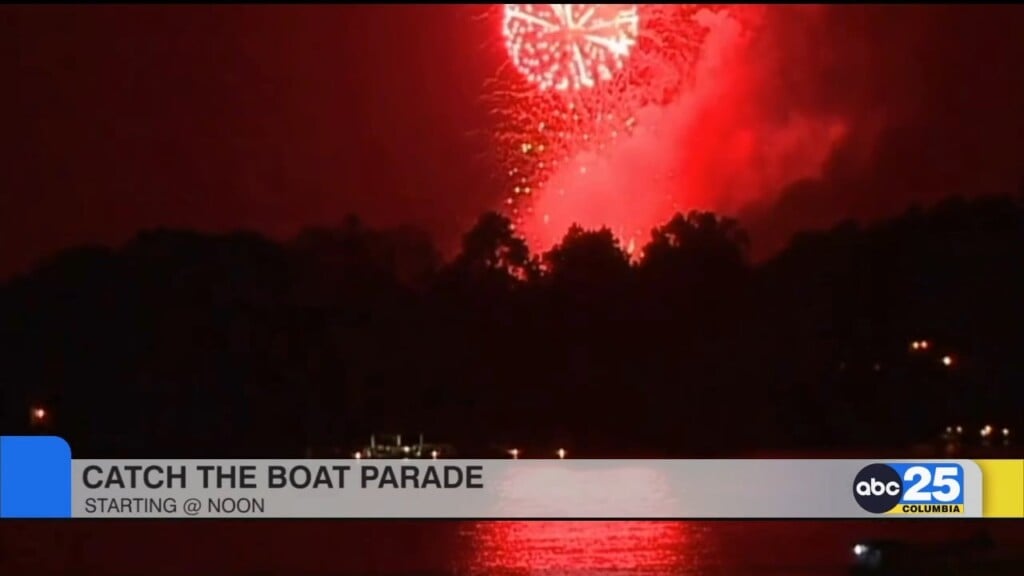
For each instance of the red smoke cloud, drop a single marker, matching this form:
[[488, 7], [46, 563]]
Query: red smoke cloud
[[731, 142]]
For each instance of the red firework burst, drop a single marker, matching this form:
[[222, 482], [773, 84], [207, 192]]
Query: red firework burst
[[582, 72], [570, 46]]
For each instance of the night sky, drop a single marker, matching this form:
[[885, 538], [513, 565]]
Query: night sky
[[118, 118]]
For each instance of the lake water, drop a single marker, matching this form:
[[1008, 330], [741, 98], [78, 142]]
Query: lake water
[[297, 548]]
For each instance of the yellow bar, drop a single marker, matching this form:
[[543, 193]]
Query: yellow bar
[[1002, 488]]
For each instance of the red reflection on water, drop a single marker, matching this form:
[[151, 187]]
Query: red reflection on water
[[588, 547]]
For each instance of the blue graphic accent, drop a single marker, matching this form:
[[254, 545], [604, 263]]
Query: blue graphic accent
[[35, 477], [931, 483]]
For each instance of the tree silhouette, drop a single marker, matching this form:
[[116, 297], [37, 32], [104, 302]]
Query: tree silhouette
[[188, 344], [698, 240], [491, 249], [587, 258]]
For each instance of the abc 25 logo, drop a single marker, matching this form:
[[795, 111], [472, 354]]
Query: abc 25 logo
[[920, 488]]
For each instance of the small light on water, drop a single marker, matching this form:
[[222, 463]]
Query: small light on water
[[433, 454], [358, 455], [561, 453], [515, 453], [860, 549]]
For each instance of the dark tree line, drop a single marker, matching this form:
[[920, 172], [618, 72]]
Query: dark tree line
[[184, 344]]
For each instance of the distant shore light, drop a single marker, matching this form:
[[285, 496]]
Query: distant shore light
[[39, 415], [919, 345], [561, 453]]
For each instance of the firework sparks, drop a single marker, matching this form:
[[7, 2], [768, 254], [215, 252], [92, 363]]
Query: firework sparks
[[581, 74], [570, 46]]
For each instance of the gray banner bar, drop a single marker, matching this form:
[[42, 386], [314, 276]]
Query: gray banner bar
[[491, 489]]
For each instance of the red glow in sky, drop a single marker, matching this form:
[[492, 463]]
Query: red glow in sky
[[279, 118], [680, 127]]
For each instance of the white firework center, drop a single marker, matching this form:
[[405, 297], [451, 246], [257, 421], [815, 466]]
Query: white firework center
[[570, 46]]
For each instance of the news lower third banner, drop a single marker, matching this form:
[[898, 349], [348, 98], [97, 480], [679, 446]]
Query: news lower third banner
[[39, 479]]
